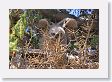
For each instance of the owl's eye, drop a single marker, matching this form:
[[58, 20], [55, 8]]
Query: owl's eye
[[57, 36], [53, 34]]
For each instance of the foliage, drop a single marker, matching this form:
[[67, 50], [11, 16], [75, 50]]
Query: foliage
[[94, 41], [17, 32]]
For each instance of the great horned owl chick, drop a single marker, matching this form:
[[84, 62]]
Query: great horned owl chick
[[70, 23], [70, 27], [55, 31], [43, 24], [60, 29]]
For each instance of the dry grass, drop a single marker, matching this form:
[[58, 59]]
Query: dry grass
[[53, 54]]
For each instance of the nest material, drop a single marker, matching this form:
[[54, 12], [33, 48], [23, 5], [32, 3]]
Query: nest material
[[54, 55]]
